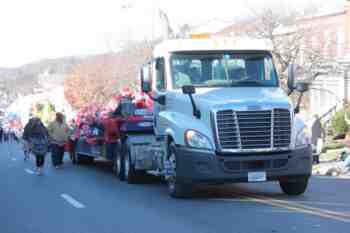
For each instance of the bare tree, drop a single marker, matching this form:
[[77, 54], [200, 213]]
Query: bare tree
[[290, 35], [98, 79]]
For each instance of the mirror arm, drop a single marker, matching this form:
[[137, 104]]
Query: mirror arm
[[196, 111], [297, 108]]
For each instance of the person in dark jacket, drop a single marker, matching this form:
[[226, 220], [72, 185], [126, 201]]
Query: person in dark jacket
[[6, 135], [317, 137], [1, 134], [36, 135]]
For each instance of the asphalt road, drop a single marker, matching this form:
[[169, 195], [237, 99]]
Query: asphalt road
[[89, 199]]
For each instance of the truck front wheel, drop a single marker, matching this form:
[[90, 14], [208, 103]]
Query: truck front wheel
[[176, 188], [294, 188]]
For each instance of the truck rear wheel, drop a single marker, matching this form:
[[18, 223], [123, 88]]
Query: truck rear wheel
[[294, 188], [118, 167], [132, 176], [176, 188]]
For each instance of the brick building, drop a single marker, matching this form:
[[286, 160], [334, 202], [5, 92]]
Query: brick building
[[329, 35]]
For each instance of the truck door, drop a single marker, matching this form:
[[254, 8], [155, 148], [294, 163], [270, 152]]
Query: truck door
[[160, 87]]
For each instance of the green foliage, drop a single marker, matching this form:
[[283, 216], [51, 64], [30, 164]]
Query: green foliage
[[339, 124], [333, 146]]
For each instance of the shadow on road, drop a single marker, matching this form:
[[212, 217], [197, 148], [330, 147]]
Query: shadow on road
[[318, 190]]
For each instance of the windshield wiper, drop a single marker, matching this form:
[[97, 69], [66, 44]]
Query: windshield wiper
[[248, 82], [213, 85]]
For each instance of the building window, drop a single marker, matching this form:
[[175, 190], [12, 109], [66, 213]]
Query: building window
[[302, 51], [340, 42], [327, 43], [314, 44]]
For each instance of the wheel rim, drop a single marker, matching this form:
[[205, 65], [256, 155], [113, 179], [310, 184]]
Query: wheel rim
[[126, 167], [172, 178]]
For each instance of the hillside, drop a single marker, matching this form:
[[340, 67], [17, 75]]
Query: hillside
[[23, 80]]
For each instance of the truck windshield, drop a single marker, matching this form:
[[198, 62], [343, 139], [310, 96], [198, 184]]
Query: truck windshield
[[223, 70]]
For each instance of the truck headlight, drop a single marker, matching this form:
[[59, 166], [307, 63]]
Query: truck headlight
[[197, 140], [302, 138]]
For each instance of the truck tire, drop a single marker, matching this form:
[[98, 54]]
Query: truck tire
[[176, 188], [132, 176], [118, 167], [294, 188]]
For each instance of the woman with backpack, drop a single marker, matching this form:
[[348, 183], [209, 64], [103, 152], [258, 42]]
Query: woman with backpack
[[36, 135]]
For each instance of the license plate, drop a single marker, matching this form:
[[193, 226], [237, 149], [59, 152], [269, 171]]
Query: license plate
[[256, 176]]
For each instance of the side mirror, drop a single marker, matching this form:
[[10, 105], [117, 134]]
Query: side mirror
[[302, 87], [291, 78], [188, 90], [145, 82]]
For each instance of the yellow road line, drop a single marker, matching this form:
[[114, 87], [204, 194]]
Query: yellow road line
[[301, 210], [310, 208], [297, 207]]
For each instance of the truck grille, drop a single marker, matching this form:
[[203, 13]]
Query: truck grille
[[281, 128], [250, 130]]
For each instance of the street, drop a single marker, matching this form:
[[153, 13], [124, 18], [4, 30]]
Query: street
[[90, 199]]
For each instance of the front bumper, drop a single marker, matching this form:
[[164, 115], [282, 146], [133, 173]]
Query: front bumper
[[200, 166]]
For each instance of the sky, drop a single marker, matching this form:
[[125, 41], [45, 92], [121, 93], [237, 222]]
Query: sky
[[39, 29]]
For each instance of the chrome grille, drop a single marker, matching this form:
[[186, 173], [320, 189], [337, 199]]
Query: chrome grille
[[282, 128], [227, 129], [255, 129], [251, 130]]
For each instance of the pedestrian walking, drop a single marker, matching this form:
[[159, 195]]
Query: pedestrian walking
[[317, 136], [13, 136], [26, 150], [1, 134], [6, 136], [36, 135], [59, 133]]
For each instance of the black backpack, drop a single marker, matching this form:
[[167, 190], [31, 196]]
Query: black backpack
[[40, 145]]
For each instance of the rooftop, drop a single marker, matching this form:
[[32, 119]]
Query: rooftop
[[212, 44]]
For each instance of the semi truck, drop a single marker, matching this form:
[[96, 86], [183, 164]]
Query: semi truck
[[220, 115]]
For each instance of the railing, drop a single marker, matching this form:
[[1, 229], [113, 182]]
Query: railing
[[327, 116]]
